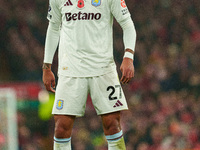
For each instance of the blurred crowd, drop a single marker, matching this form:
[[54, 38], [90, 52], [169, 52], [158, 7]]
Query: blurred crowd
[[163, 98], [23, 29]]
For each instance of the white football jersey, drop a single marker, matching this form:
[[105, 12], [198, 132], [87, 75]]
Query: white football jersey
[[86, 38]]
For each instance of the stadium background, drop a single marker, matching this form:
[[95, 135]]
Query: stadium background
[[164, 97]]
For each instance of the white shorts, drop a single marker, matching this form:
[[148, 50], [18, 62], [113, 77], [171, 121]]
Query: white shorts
[[105, 91]]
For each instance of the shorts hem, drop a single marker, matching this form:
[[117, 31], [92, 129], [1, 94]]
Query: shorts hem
[[69, 114], [103, 113]]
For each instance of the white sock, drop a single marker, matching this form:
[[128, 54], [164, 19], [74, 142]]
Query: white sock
[[116, 141], [62, 144]]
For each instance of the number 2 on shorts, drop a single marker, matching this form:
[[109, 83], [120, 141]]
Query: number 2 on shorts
[[112, 89]]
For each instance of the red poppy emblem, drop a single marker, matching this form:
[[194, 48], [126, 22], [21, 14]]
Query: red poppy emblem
[[80, 4]]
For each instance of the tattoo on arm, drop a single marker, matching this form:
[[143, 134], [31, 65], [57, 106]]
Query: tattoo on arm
[[46, 66]]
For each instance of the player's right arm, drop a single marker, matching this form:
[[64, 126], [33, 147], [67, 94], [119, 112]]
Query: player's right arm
[[51, 43]]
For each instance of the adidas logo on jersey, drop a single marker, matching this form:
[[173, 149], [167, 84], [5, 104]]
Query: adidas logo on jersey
[[68, 3], [117, 104]]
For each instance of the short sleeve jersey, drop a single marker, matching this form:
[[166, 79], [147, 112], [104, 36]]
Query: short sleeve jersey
[[86, 38]]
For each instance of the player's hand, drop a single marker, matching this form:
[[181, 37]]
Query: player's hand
[[127, 70], [49, 80]]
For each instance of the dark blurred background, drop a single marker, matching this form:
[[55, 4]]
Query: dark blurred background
[[163, 97]]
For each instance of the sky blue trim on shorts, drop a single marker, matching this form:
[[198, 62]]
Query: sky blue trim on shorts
[[114, 137], [57, 140]]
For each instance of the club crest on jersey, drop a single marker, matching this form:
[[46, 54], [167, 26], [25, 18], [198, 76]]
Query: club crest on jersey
[[96, 2], [59, 105], [81, 4]]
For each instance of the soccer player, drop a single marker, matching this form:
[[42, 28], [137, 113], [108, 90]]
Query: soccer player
[[83, 29]]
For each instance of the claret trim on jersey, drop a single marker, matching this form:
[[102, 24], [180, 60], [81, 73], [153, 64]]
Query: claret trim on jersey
[[82, 16]]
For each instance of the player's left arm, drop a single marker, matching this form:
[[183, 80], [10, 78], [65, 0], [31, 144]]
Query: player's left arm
[[127, 67], [123, 17], [129, 39]]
